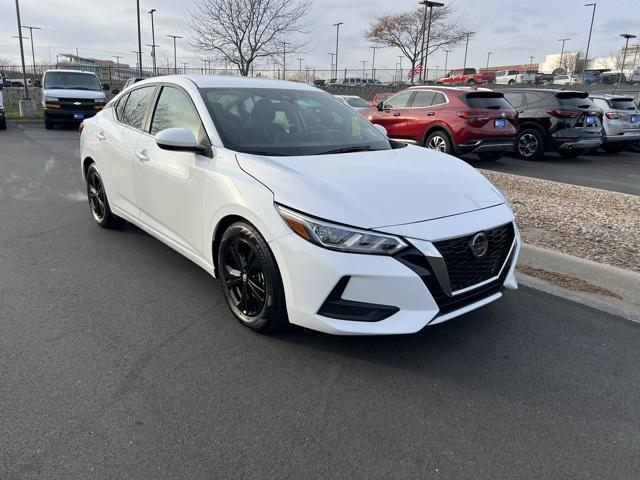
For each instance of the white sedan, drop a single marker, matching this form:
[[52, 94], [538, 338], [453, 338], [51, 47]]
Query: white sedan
[[306, 212]]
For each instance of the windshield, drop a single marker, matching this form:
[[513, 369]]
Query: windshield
[[356, 102], [267, 121], [580, 100], [71, 81]]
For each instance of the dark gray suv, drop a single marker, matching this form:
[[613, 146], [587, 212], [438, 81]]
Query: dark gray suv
[[555, 120]]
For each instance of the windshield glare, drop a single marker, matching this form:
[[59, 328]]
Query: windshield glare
[[288, 122], [71, 81]]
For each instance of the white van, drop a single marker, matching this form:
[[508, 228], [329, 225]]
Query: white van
[[70, 96]]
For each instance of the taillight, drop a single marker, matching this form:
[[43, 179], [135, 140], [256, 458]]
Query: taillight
[[562, 113], [474, 118], [617, 116]]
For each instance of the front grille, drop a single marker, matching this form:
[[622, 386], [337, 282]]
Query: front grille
[[85, 103], [465, 270]]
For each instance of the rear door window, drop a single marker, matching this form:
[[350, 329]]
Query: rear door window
[[136, 107], [423, 99], [439, 99], [492, 100], [120, 106]]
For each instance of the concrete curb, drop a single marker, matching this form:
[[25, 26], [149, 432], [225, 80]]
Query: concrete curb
[[25, 121], [624, 283]]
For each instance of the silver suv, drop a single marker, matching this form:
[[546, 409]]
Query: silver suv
[[621, 122]]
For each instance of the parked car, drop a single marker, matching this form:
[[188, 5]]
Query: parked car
[[131, 81], [275, 188], [564, 121], [70, 96], [358, 81], [511, 77], [566, 80], [467, 76], [621, 120], [544, 78], [3, 118], [592, 77], [359, 104], [451, 120], [380, 97]]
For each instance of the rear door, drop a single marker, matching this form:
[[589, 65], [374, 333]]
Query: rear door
[[169, 183], [395, 114], [420, 115]]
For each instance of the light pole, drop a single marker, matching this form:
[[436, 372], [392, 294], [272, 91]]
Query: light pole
[[400, 77], [184, 67], [138, 56], [446, 60], [337, 25], [139, 51], [531, 63], [24, 68], [153, 41], [563, 40], [586, 56], [373, 62], [284, 60], [364, 65], [628, 36], [332, 55], [300, 65], [33, 54], [466, 49], [175, 58], [424, 59], [488, 57]]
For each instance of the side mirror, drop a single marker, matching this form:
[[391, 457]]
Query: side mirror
[[38, 83], [380, 106], [381, 129], [106, 86], [115, 91], [180, 140]]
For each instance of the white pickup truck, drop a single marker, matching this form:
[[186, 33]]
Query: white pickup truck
[[510, 77]]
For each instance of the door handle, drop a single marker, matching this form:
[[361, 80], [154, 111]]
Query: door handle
[[431, 114], [142, 156], [101, 136], [396, 114]]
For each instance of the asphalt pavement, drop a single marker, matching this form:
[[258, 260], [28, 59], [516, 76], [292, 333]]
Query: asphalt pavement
[[120, 359], [618, 172]]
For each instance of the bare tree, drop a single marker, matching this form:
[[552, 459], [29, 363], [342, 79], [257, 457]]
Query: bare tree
[[405, 31], [5, 62], [241, 31]]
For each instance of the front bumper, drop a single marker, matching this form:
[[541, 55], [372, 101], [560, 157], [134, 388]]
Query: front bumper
[[487, 145], [320, 284], [67, 116]]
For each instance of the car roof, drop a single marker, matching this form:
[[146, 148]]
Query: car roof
[[348, 96], [610, 96], [68, 70], [213, 81]]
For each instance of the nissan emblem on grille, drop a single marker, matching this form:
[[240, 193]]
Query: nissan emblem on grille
[[479, 245]]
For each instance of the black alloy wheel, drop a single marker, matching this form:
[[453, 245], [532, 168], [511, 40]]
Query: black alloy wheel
[[98, 202]]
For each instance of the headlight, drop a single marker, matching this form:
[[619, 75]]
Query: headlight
[[339, 237], [100, 100], [51, 99]]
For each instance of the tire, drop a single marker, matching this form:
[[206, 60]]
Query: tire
[[471, 81], [511, 82], [98, 201], [439, 140], [48, 124], [490, 156], [3, 124], [609, 148], [250, 279], [530, 144], [572, 153]]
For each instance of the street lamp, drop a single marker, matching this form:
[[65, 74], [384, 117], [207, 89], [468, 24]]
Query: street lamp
[[466, 49], [628, 36], [332, 55], [284, 60], [401, 79], [337, 25], [138, 57], [364, 65], [488, 57], [153, 41], [586, 56], [531, 62], [446, 60], [33, 54], [175, 58], [24, 68], [300, 64], [139, 51], [563, 40], [427, 4], [373, 62]]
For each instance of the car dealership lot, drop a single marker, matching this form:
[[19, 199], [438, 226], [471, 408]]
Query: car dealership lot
[[120, 359]]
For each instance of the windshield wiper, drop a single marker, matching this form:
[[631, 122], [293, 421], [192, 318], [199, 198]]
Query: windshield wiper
[[362, 148], [264, 153]]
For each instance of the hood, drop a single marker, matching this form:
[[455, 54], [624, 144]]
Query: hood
[[374, 189], [64, 93]]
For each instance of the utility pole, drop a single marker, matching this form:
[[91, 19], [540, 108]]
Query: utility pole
[[531, 62], [117, 57], [139, 51], [33, 54], [337, 25], [175, 58], [373, 63], [628, 36], [425, 58], [364, 65], [466, 49], [563, 40], [300, 64], [446, 60], [24, 69], [331, 74], [488, 57], [137, 60], [153, 41], [586, 57], [284, 60], [401, 78]]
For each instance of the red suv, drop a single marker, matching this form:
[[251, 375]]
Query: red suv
[[451, 120]]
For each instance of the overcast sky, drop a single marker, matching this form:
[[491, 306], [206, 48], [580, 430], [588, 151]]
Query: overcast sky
[[510, 29]]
